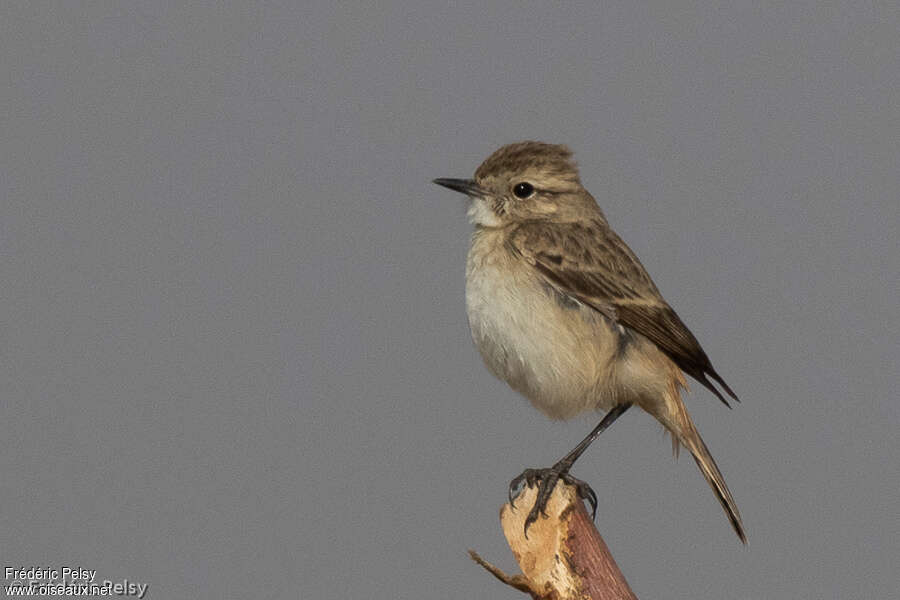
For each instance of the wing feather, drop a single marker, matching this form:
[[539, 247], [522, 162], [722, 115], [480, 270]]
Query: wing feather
[[590, 263]]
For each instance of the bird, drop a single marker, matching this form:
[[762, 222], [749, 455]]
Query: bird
[[561, 309]]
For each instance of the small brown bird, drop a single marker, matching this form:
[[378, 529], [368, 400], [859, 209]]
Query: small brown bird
[[562, 310]]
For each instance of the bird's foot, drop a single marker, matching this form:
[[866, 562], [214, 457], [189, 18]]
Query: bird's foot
[[546, 480]]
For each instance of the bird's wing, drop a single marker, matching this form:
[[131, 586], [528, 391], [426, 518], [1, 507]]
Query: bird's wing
[[590, 263]]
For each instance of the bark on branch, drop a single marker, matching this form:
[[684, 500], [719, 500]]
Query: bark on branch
[[563, 557]]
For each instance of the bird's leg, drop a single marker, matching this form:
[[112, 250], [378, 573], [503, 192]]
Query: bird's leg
[[546, 478]]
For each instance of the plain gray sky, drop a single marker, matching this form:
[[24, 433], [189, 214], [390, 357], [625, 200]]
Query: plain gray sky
[[234, 358]]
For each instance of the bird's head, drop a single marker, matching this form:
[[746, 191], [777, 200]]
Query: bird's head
[[525, 181]]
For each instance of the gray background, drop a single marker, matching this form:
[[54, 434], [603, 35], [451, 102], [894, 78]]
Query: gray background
[[234, 359]]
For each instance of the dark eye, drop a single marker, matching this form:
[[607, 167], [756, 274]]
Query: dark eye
[[523, 190]]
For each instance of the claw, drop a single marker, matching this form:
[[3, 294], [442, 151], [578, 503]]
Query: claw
[[589, 495], [514, 485], [584, 491], [545, 480], [528, 521]]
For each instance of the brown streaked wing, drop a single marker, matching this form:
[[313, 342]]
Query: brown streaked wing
[[592, 264]]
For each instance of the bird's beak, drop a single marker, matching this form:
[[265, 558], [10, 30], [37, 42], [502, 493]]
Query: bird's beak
[[463, 186]]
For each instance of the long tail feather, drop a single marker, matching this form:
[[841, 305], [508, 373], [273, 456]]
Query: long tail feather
[[690, 438]]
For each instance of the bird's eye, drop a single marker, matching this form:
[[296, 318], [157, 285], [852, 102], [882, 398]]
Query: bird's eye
[[523, 190]]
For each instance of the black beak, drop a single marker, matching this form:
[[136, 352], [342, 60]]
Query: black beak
[[463, 186]]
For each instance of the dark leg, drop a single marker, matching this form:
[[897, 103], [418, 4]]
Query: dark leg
[[546, 478]]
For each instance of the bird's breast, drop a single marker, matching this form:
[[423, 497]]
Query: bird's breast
[[557, 352]]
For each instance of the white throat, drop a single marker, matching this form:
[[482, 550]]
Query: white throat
[[480, 213]]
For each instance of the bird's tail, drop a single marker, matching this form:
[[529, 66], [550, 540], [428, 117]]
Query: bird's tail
[[689, 437]]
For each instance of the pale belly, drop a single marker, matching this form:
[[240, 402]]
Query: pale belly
[[564, 357]]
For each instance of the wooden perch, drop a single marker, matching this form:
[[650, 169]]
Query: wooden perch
[[563, 557]]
